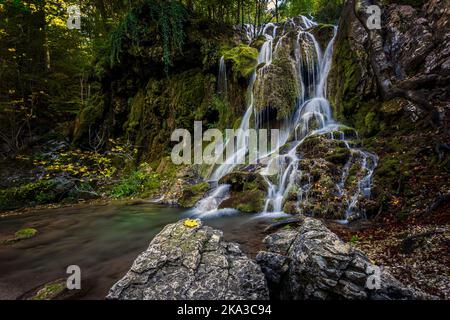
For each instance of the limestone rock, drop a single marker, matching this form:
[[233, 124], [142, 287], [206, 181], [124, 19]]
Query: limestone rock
[[190, 261], [406, 59], [313, 263]]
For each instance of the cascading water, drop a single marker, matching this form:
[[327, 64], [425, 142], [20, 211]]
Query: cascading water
[[222, 83], [312, 117]]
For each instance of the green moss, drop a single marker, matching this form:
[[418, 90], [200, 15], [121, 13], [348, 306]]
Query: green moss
[[88, 117], [50, 291], [25, 233], [338, 156], [40, 192], [243, 58], [180, 100], [246, 202], [244, 181], [258, 42], [283, 96], [191, 195], [370, 122], [136, 112]]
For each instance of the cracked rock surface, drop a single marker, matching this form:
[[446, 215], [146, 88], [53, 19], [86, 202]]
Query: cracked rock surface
[[313, 263], [184, 263]]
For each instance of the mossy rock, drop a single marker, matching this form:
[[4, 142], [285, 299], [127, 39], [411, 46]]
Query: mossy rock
[[22, 234], [291, 207], [245, 181], [88, 117], [192, 194], [244, 59], [338, 156], [250, 201], [319, 146], [25, 233], [247, 192], [282, 97], [258, 42], [323, 33], [40, 192], [50, 291]]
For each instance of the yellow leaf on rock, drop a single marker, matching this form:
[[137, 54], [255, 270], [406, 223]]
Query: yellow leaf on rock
[[191, 223]]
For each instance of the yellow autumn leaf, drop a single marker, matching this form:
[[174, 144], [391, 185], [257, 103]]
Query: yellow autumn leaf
[[191, 223]]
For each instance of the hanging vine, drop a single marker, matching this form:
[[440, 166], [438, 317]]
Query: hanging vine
[[169, 18]]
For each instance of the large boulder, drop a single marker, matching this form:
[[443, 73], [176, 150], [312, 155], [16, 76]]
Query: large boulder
[[188, 260], [313, 263]]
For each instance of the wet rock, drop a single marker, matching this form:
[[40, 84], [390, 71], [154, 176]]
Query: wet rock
[[192, 194], [247, 193], [188, 260], [327, 183], [279, 100], [313, 263]]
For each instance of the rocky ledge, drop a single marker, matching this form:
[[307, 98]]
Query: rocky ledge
[[313, 263], [188, 260]]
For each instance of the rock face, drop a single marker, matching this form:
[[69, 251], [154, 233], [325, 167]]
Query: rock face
[[190, 261], [392, 85], [313, 263], [406, 64]]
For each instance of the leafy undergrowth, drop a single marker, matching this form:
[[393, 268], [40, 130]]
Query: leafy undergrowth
[[58, 173], [412, 174], [414, 251], [145, 181]]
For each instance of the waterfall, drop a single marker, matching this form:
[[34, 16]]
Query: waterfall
[[312, 117], [222, 86]]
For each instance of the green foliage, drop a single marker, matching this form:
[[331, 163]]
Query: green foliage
[[355, 239], [40, 192], [130, 186], [323, 10]]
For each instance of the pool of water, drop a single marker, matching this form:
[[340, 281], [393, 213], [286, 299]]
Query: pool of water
[[102, 240]]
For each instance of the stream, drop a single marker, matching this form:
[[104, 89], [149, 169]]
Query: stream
[[103, 240]]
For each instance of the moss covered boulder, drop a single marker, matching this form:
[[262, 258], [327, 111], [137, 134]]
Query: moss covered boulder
[[50, 291], [35, 193], [243, 59], [247, 192], [192, 194], [22, 234], [278, 100]]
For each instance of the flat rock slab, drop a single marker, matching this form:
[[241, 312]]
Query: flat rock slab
[[190, 261]]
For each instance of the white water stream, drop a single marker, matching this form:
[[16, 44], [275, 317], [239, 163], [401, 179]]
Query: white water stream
[[312, 116]]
